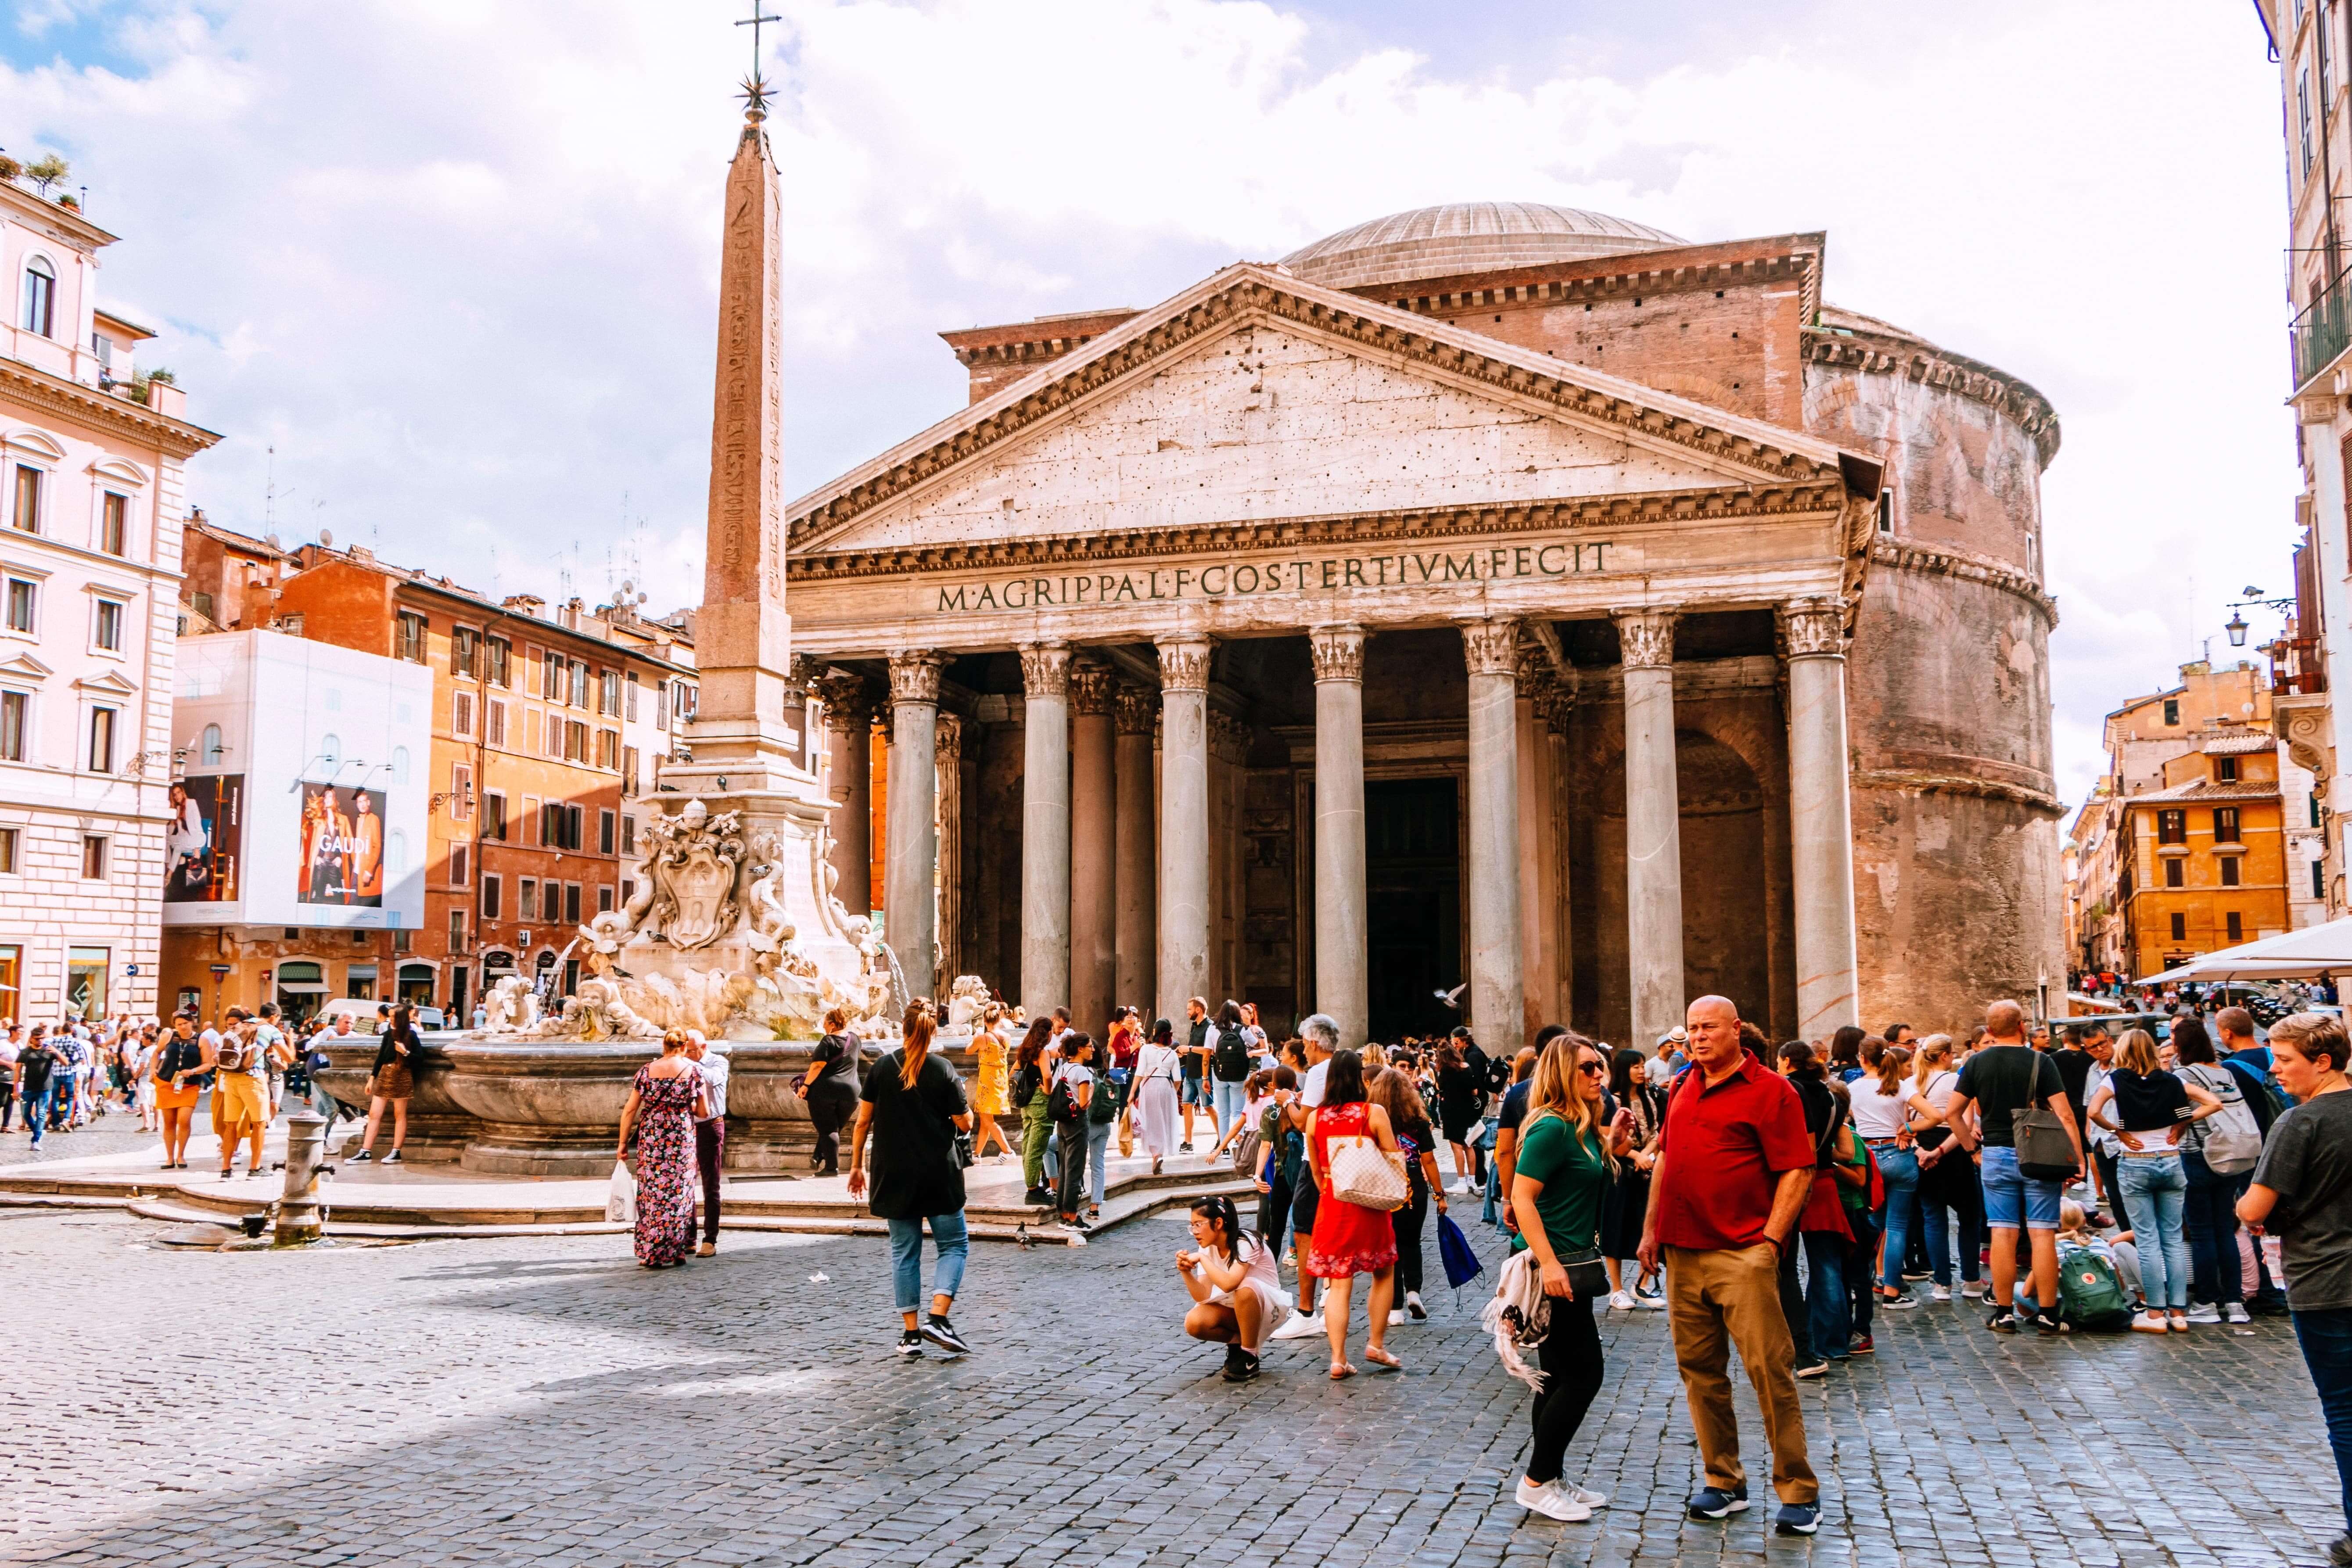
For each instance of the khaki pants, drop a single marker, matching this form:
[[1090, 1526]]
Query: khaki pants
[[1715, 1301]]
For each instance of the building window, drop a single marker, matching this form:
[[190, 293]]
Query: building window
[[461, 792], [27, 517], [608, 749], [551, 901], [552, 742], [110, 625], [527, 898], [2312, 802], [412, 638], [551, 678], [2172, 710], [578, 697], [8, 852], [2234, 925], [629, 770], [604, 899], [630, 712], [560, 826], [85, 970], [461, 713], [102, 740], [209, 750], [93, 857], [502, 662], [2225, 824], [628, 835], [604, 829], [686, 701], [2172, 873], [495, 731], [458, 865], [15, 708], [2318, 874], [1887, 512], [40, 313], [2303, 116], [2180, 928], [2225, 770], [2172, 827], [462, 643], [661, 704], [330, 751], [575, 742], [572, 903], [23, 597], [457, 931], [494, 815], [113, 522], [490, 895], [608, 693], [2229, 870]]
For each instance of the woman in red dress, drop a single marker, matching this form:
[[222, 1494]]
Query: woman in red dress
[[1350, 1240]]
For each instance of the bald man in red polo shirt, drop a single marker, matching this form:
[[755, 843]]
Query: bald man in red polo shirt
[[1735, 1167]]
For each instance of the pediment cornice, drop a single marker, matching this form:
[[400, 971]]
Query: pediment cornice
[[1744, 450], [1419, 526]]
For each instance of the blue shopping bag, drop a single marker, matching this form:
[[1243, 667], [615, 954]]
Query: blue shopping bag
[[1462, 1265]]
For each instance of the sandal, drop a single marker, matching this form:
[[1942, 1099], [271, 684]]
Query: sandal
[[1341, 1371], [1374, 1354]]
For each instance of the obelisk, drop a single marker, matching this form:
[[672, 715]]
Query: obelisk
[[742, 733]]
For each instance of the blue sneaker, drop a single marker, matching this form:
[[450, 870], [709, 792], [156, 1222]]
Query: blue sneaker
[[1713, 1502], [1797, 1519]]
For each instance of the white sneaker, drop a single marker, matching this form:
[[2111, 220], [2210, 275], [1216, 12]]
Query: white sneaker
[[1298, 1326], [1583, 1497], [2204, 1312], [2234, 1312], [1649, 1304], [2151, 1324], [1553, 1502], [1620, 1302], [1396, 1317], [1972, 1289], [1940, 1293]]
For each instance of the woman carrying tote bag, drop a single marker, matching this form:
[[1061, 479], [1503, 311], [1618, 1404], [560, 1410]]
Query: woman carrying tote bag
[[1350, 1238]]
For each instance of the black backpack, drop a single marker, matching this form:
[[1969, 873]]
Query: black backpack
[[1061, 1106], [1026, 1085], [1232, 1059]]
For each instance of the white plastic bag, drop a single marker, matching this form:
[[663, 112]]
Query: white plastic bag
[[621, 1199]]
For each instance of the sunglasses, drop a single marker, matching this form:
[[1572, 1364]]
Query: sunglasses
[[1600, 1067]]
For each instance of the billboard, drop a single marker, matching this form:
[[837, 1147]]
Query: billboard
[[342, 860], [204, 846]]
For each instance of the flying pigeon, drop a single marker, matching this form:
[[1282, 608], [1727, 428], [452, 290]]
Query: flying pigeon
[[1453, 998]]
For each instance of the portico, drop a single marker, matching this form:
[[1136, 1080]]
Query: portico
[[1463, 662]]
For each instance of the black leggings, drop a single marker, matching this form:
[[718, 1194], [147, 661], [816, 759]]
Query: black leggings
[[831, 1108], [1570, 1357], [1408, 1222]]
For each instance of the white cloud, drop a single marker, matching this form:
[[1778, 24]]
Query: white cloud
[[457, 261]]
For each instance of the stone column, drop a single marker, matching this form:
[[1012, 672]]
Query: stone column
[[1045, 827], [947, 762], [850, 734], [1134, 962], [1821, 818], [1497, 1004], [1093, 849], [909, 918], [1229, 740], [1535, 947], [1653, 854], [1558, 712], [1183, 968], [1343, 985]]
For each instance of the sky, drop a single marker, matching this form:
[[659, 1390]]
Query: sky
[[442, 272]]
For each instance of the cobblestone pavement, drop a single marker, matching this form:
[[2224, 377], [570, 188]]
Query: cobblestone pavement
[[544, 1400]]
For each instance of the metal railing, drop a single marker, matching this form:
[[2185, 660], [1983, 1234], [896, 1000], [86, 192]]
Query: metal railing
[[2323, 331], [2297, 668]]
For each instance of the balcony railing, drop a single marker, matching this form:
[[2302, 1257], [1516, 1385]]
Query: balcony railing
[[2323, 331], [2297, 668]]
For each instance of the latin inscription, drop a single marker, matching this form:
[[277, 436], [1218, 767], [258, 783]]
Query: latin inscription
[[1328, 574]]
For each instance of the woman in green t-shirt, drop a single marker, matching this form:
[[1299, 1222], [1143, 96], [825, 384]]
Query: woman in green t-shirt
[[1562, 1170]]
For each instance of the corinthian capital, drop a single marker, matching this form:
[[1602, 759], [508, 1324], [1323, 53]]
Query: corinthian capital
[[1184, 664], [1647, 637], [1089, 687], [947, 737], [1813, 627], [847, 704], [1045, 669], [1337, 651], [915, 675], [1491, 648], [1138, 709]]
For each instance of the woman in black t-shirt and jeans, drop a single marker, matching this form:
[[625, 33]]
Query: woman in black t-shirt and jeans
[[912, 1107]]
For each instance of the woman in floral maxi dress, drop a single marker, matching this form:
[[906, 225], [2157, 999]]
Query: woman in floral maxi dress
[[664, 1100]]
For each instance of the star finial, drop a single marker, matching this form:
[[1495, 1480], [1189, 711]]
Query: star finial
[[755, 86]]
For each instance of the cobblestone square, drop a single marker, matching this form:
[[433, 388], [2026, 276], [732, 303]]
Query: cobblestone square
[[544, 1400]]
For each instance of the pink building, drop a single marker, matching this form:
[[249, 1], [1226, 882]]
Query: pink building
[[91, 504]]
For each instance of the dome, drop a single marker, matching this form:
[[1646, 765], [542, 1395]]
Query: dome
[[1467, 237]]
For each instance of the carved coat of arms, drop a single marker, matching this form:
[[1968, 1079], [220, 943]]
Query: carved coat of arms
[[695, 867]]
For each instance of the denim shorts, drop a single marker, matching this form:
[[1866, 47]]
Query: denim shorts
[[2013, 1202], [1194, 1092]]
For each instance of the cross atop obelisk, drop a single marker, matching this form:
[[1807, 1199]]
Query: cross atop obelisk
[[743, 730]]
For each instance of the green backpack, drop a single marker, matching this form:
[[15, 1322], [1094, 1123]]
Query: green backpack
[[2090, 1296]]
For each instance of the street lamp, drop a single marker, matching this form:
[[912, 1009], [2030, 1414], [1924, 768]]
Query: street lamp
[[2236, 625], [2237, 630]]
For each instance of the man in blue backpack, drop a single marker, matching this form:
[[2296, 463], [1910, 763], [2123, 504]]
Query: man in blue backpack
[[2249, 1060]]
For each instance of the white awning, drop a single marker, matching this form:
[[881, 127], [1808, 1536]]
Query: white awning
[[2290, 956]]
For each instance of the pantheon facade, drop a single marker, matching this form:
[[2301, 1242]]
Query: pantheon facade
[[1492, 609]]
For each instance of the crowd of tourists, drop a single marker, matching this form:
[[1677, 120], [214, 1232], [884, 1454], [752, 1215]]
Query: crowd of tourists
[[247, 1068]]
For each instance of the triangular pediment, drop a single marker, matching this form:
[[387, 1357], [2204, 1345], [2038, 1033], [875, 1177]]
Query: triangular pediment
[[25, 666], [108, 684], [1254, 398]]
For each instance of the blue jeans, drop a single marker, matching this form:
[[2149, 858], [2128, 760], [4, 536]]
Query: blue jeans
[[1098, 1151], [1492, 1214], [1827, 1311], [2155, 1191], [1900, 1167], [2013, 1200], [37, 1111], [2215, 1274], [954, 1243], [2326, 1337], [1231, 1099]]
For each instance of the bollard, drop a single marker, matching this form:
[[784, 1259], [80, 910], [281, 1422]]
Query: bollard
[[298, 1211]]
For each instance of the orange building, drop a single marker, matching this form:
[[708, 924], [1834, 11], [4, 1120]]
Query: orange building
[[548, 729], [2205, 864]]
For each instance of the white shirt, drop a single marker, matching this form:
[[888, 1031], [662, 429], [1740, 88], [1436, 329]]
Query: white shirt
[[1310, 1092], [1876, 1116], [1156, 1063], [713, 1068]]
